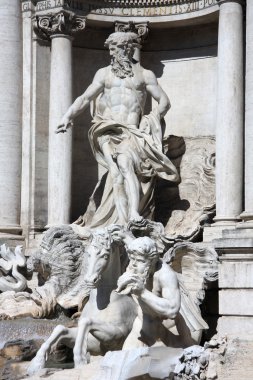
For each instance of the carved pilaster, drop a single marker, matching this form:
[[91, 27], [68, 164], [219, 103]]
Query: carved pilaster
[[63, 23], [141, 29]]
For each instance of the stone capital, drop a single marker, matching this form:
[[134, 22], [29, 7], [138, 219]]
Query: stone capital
[[141, 29], [220, 2], [63, 23]]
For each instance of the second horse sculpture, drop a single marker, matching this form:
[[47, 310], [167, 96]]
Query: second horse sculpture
[[139, 307], [107, 317]]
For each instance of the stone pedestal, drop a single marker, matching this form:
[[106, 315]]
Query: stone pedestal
[[10, 116], [229, 135], [236, 283]]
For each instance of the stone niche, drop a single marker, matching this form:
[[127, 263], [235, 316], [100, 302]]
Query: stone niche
[[184, 60]]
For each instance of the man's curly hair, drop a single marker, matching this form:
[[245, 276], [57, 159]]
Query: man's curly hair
[[143, 246], [123, 38]]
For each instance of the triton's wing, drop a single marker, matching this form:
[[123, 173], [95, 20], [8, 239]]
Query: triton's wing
[[197, 266]]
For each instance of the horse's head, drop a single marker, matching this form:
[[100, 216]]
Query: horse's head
[[98, 256]]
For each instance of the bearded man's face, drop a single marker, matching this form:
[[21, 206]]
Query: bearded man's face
[[120, 61], [116, 51], [139, 264]]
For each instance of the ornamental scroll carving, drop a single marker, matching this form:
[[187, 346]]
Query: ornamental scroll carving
[[63, 22], [141, 29]]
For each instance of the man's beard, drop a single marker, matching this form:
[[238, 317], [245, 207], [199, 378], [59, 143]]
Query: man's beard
[[121, 66]]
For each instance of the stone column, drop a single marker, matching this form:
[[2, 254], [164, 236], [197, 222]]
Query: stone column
[[59, 27], [229, 134], [10, 115], [247, 215]]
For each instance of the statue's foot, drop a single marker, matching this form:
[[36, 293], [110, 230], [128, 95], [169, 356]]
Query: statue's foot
[[36, 365]]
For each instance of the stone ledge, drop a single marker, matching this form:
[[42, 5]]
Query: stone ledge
[[236, 302], [236, 327], [236, 274]]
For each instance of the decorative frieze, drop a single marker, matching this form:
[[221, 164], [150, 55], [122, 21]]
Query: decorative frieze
[[120, 8], [63, 23]]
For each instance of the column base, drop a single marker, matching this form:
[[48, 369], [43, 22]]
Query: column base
[[12, 229], [247, 216], [226, 220], [216, 230]]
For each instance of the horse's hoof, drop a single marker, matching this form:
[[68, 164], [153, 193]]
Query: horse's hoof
[[81, 361], [36, 365]]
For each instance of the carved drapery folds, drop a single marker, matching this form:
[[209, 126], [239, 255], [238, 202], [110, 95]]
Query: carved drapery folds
[[63, 23]]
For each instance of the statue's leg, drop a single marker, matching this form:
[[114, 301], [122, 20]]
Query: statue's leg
[[58, 334], [104, 333], [133, 339], [80, 348], [118, 183], [126, 167]]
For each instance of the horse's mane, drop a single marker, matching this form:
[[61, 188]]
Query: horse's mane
[[60, 254]]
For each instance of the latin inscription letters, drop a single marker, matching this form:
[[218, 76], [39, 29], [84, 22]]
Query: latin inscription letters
[[169, 10]]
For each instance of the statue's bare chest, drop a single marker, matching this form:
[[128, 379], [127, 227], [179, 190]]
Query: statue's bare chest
[[124, 85]]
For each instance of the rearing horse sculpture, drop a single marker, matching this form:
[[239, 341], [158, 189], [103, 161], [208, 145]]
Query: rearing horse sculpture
[[107, 317]]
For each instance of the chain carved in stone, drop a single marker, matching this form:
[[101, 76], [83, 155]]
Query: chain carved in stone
[[63, 22]]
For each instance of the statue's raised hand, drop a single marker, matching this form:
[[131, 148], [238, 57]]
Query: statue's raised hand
[[64, 125], [129, 283]]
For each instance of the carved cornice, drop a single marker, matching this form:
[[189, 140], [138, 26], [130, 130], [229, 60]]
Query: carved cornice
[[63, 23], [141, 29]]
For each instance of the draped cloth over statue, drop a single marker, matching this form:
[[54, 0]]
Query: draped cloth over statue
[[144, 149]]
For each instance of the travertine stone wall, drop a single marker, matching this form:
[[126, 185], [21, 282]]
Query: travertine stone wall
[[84, 166]]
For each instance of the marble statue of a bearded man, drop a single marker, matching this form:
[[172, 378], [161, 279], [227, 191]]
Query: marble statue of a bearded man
[[163, 299], [124, 140]]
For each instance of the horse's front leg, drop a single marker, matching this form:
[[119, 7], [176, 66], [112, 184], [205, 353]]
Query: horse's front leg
[[39, 360], [80, 348]]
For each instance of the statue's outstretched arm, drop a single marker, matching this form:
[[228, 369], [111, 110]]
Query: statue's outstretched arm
[[157, 93], [82, 102]]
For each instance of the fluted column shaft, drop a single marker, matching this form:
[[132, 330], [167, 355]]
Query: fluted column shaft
[[229, 133], [247, 215], [60, 145], [10, 115]]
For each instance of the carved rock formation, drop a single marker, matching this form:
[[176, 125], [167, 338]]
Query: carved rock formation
[[186, 207], [10, 264]]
